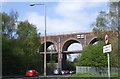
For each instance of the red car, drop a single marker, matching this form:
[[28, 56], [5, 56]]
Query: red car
[[31, 73]]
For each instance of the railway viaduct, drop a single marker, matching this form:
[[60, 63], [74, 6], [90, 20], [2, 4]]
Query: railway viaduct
[[63, 41]]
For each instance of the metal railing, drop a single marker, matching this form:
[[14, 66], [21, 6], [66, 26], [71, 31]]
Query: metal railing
[[96, 70]]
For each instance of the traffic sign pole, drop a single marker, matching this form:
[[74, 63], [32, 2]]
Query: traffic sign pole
[[108, 56], [107, 48]]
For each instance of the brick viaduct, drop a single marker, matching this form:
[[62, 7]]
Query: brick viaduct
[[62, 42]]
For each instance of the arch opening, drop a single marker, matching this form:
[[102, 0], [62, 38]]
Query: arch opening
[[69, 44], [74, 47], [50, 47], [94, 41], [71, 50]]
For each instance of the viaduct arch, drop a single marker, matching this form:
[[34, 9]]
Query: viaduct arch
[[62, 42]]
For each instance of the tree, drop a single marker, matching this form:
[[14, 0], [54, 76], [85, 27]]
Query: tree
[[115, 54], [11, 57], [9, 24], [21, 53], [93, 55], [12, 24], [50, 67], [10, 49], [29, 37], [109, 22], [100, 26], [5, 22], [115, 9]]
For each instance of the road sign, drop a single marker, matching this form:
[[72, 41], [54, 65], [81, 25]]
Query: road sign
[[107, 48], [106, 39]]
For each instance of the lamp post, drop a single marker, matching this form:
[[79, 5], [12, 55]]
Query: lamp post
[[44, 37]]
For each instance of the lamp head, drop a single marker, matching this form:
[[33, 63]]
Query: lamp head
[[32, 4]]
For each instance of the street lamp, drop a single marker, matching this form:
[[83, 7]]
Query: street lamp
[[44, 37]]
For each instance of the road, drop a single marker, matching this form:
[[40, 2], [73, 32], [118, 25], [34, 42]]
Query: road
[[39, 77]]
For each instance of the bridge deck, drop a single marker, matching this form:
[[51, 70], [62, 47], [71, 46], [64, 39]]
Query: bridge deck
[[64, 52]]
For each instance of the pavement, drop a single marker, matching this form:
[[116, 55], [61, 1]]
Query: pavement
[[39, 77]]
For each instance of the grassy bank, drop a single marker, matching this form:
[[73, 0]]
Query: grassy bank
[[91, 76]]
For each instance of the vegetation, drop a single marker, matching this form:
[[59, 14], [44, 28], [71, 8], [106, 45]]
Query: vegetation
[[93, 55], [106, 22], [69, 65], [90, 76], [93, 75], [19, 46], [115, 54], [50, 67]]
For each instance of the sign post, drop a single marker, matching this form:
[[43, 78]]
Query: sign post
[[107, 49], [108, 55]]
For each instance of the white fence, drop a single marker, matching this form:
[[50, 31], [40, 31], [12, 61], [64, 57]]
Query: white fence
[[95, 70]]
